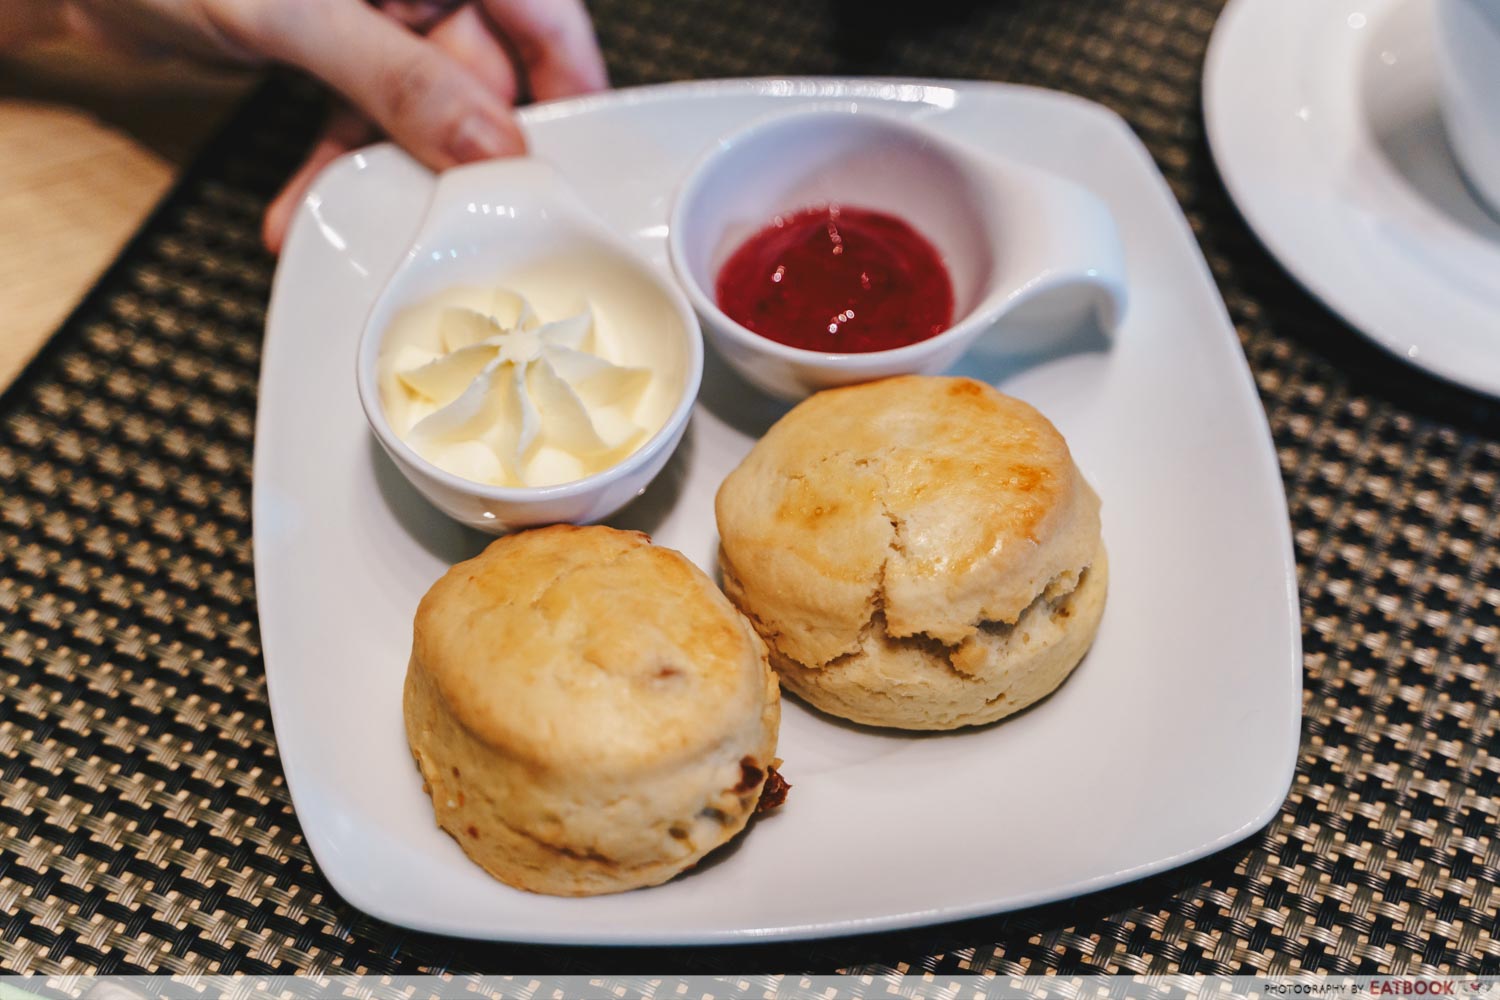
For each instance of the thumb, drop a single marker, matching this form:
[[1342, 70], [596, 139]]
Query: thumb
[[419, 95]]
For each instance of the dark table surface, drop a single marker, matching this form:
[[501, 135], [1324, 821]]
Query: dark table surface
[[144, 820]]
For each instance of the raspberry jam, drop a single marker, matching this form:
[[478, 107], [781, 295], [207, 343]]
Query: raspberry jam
[[839, 280]]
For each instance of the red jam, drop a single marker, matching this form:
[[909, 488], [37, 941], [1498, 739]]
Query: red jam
[[839, 280]]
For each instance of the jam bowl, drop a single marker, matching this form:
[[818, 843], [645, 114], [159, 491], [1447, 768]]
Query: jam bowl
[[1008, 235], [512, 232]]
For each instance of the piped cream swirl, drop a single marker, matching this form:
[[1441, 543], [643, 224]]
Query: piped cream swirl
[[510, 400]]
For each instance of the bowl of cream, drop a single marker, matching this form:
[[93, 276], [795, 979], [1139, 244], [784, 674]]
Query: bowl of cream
[[523, 365]]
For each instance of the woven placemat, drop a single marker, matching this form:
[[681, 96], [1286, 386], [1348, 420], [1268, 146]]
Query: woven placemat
[[144, 820]]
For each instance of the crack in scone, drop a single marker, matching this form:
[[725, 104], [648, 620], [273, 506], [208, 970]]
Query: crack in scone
[[1056, 595], [920, 682], [961, 656]]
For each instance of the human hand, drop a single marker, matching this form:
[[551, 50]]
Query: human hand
[[440, 77]]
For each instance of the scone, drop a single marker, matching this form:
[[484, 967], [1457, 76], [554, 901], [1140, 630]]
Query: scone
[[918, 552], [588, 712]]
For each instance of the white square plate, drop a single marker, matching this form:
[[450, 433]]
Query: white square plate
[[1175, 737]]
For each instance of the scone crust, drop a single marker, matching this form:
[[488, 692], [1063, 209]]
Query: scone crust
[[588, 712], [916, 508]]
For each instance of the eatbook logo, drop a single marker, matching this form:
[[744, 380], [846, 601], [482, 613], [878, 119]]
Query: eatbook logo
[[1412, 987]]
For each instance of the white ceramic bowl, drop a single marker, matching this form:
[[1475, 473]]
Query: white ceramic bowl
[[1008, 234], [501, 218]]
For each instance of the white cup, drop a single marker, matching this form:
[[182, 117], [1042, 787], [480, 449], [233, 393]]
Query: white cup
[[493, 219], [1008, 233], [1468, 62]]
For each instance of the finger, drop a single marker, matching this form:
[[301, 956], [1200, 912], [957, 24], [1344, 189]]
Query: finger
[[469, 38], [27, 20], [555, 42], [423, 98], [419, 15], [198, 31], [345, 130], [100, 33]]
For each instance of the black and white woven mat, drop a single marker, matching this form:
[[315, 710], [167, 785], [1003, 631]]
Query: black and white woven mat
[[144, 821]]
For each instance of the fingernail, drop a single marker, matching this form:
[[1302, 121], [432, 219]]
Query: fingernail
[[476, 138]]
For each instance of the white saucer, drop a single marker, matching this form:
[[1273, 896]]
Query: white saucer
[[1323, 120], [1177, 735]]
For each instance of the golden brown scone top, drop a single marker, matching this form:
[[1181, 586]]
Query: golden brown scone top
[[939, 501], [640, 661]]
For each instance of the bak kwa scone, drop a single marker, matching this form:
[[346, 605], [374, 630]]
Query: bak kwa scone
[[918, 552], [589, 713]]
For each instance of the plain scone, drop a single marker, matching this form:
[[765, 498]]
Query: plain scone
[[588, 712], [918, 552]]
